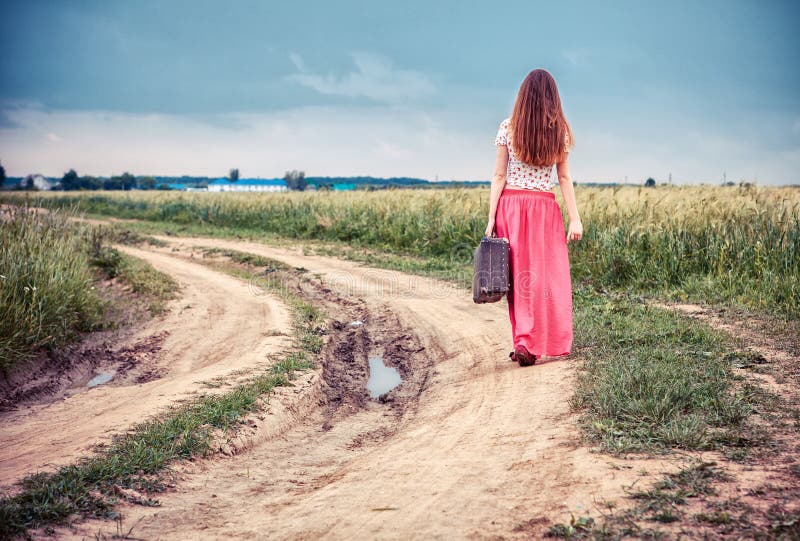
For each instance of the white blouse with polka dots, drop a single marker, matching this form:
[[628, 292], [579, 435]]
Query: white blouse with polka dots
[[521, 174]]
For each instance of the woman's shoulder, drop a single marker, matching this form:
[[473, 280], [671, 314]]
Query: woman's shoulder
[[502, 133], [504, 126]]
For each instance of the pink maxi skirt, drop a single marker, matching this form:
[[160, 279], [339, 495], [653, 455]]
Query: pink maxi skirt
[[540, 299]]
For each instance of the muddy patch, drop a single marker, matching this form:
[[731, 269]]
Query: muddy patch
[[97, 360], [358, 333]]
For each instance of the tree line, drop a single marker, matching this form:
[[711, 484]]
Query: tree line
[[295, 180], [126, 181], [73, 181]]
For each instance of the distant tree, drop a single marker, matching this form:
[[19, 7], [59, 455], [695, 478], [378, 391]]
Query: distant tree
[[128, 181], [28, 184], [147, 183], [650, 182], [112, 183], [2, 175], [729, 183], [125, 181], [70, 181], [296, 180], [233, 176], [91, 183]]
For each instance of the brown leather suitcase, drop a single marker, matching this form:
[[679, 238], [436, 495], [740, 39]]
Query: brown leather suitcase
[[491, 279]]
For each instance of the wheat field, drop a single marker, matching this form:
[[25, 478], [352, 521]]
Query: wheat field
[[729, 245]]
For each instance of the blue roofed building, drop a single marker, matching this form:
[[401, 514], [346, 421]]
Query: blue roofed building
[[248, 185]]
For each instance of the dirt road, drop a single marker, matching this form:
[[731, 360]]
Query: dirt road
[[483, 449], [217, 328]]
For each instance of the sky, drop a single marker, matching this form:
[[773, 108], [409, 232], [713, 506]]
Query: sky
[[692, 89]]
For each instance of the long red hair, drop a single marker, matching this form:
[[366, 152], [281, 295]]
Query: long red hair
[[539, 129]]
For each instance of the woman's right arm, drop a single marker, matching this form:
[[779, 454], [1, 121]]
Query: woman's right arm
[[498, 184]]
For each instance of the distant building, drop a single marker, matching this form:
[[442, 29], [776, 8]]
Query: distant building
[[40, 182], [343, 186], [247, 185]]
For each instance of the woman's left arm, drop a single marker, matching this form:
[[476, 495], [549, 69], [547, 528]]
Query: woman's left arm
[[575, 230], [498, 184]]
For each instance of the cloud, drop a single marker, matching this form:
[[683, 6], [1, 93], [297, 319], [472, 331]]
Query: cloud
[[374, 77], [53, 138]]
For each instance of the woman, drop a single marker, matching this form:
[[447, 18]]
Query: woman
[[523, 209]]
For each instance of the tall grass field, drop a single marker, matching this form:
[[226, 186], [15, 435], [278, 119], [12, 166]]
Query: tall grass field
[[731, 245], [46, 291]]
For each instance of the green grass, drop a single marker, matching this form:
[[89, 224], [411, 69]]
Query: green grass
[[654, 379], [139, 458]]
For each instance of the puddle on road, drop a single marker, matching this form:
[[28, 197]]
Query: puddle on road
[[100, 379], [382, 378]]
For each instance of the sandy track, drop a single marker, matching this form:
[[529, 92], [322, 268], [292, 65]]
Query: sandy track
[[217, 327], [488, 450]]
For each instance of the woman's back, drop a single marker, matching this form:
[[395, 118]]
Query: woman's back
[[519, 173]]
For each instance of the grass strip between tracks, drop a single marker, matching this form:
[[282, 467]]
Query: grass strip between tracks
[[136, 459]]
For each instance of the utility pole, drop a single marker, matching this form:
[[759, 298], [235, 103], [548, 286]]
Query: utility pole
[[670, 179]]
